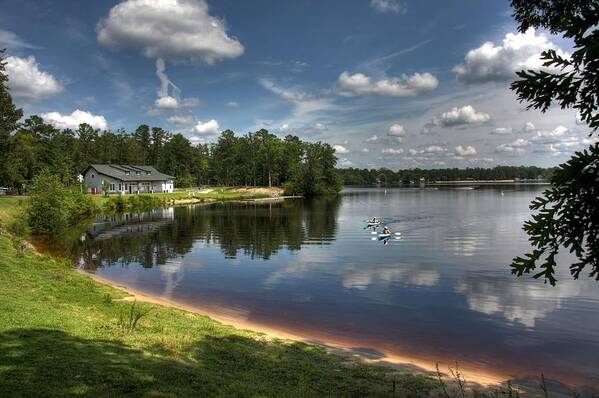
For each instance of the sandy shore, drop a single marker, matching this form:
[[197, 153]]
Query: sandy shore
[[237, 319]]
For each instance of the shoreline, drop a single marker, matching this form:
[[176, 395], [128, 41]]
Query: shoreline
[[231, 317]]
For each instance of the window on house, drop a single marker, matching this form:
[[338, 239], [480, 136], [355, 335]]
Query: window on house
[[112, 187], [93, 176]]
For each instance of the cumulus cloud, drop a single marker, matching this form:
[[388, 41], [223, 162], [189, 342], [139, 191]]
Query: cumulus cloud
[[232, 104], [514, 147], [386, 6], [402, 86], [465, 151], [373, 138], [397, 130], [166, 102], [168, 29], [392, 151], [73, 120], [502, 131], [209, 128], [26, 81], [462, 116], [429, 150], [345, 162], [491, 62], [340, 149]]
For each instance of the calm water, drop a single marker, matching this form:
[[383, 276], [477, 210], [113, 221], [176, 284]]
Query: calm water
[[443, 292]]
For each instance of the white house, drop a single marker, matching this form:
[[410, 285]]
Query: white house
[[127, 179]]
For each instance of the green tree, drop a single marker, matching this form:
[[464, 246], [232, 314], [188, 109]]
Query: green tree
[[568, 212], [9, 117]]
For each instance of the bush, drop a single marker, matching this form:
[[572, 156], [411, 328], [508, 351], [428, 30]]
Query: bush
[[54, 207]]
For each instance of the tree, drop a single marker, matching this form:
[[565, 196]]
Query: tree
[[568, 212], [9, 116]]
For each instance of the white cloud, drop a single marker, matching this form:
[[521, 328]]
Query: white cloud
[[284, 127], [397, 130], [465, 151], [502, 131], [365, 150], [464, 115], [392, 151], [345, 162], [173, 100], [529, 128], [559, 131], [374, 138], [340, 149], [403, 86], [166, 102], [73, 120], [491, 62], [13, 42], [513, 147], [286, 94], [385, 6], [169, 29], [27, 81], [182, 120], [232, 104], [434, 149], [320, 126], [209, 128]]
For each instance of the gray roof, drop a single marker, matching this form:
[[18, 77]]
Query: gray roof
[[126, 172]]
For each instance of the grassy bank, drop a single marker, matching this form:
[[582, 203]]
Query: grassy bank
[[63, 334]]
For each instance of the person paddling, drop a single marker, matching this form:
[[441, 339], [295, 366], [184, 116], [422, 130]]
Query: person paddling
[[374, 220], [386, 230]]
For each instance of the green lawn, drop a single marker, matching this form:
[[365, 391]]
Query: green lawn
[[63, 334]]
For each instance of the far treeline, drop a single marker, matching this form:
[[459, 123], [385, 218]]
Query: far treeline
[[353, 176], [258, 159]]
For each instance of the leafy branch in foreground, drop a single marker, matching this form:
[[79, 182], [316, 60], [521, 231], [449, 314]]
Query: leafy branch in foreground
[[567, 216], [567, 213]]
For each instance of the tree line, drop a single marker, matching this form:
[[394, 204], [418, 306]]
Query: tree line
[[355, 176], [259, 159]]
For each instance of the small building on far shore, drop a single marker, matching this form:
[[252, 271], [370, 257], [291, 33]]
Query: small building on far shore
[[126, 179]]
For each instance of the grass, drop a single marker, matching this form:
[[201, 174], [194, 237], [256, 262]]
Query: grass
[[63, 334]]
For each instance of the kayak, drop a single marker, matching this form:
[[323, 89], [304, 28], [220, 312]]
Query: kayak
[[373, 223], [385, 236]]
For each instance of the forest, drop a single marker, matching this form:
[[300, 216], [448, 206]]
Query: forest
[[354, 176], [258, 159]]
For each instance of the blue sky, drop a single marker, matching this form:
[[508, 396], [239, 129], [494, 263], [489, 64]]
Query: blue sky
[[394, 83]]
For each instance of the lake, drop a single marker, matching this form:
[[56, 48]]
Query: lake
[[441, 293]]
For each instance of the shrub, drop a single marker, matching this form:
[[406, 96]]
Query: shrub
[[49, 205], [54, 207]]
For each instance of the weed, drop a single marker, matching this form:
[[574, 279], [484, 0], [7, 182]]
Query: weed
[[128, 321]]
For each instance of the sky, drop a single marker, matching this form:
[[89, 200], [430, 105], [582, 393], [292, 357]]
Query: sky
[[389, 83]]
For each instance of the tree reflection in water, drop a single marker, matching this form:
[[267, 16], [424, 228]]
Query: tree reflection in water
[[253, 229]]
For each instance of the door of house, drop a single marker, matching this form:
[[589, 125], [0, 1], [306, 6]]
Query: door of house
[[130, 188]]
